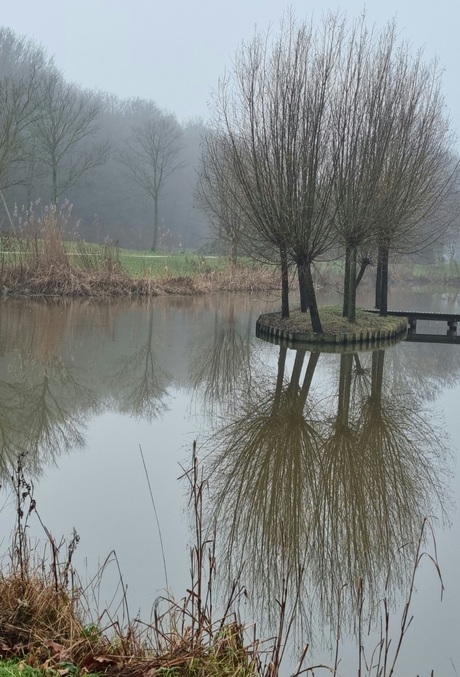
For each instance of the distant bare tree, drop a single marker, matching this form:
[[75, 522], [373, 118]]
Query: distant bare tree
[[216, 196], [448, 213], [66, 133], [152, 153], [21, 64]]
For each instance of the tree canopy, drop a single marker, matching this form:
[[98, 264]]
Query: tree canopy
[[329, 139]]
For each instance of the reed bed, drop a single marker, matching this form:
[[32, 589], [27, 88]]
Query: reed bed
[[68, 281], [43, 256]]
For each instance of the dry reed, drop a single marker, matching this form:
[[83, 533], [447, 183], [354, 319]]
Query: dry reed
[[35, 261]]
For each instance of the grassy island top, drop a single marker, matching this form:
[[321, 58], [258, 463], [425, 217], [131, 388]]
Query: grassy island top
[[332, 321]]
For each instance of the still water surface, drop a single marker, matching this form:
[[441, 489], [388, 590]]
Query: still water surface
[[318, 463]]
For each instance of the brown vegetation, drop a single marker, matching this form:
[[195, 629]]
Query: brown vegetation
[[66, 280], [44, 619], [35, 261]]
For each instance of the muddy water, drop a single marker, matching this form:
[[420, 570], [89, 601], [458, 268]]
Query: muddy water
[[322, 467]]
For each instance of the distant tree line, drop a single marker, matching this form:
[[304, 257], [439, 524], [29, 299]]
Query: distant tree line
[[327, 143], [127, 165]]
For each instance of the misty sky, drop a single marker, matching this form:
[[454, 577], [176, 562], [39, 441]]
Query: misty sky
[[173, 51]]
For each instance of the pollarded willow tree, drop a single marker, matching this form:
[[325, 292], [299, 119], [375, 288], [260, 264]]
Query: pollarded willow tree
[[329, 138], [362, 125], [418, 171], [392, 139], [271, 146]]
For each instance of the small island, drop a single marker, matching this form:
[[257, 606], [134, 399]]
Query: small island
[[368, 328]]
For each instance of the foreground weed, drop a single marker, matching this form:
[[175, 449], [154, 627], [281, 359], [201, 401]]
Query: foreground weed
[[18, 669], [21, 668]]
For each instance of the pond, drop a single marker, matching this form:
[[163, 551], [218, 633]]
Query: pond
[[321, 464]]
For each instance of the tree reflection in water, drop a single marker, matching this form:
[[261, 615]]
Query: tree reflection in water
[[47, 397], [337, 499], [381, 476], [222, 361], [141, 383], [265, 477], [45, 405]]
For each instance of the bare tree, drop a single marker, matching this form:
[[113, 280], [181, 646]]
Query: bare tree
[[272, 119], [66, 133], [418, 172], [330, 136], [391, 142], [360, 129], [21, 63], [152, 153], [215, 195]]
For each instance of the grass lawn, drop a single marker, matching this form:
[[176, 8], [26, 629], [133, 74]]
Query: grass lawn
[[436, 272], [138, 263], [148, 264]]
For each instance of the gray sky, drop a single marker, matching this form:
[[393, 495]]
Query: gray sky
[[173, 51]]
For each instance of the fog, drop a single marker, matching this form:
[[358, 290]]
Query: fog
[[124, 58], [174, 52]]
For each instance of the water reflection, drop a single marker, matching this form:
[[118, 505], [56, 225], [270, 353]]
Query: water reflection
[[382, 474], [338, 497], [222, 359], [57, 371], [63, 363], [140, 382], [44, 401], [264, 475], [321, 467]]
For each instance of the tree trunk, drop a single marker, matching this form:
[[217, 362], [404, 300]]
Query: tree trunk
[[284, 282], [155, 225], [280, 378], [384, 284], [294, 384], [54, 196], [364, 263], [378, 359], [304, 300], [343, 406], [308, 378], [314, 314], [351, 304], [234, 252], [378, 280], [346, 281], [350, 285]]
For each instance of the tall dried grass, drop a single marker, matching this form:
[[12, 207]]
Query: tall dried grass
[[44, 617], [41, 614], [35, 260]]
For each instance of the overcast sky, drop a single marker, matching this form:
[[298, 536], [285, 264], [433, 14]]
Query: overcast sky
[[173, 51]]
